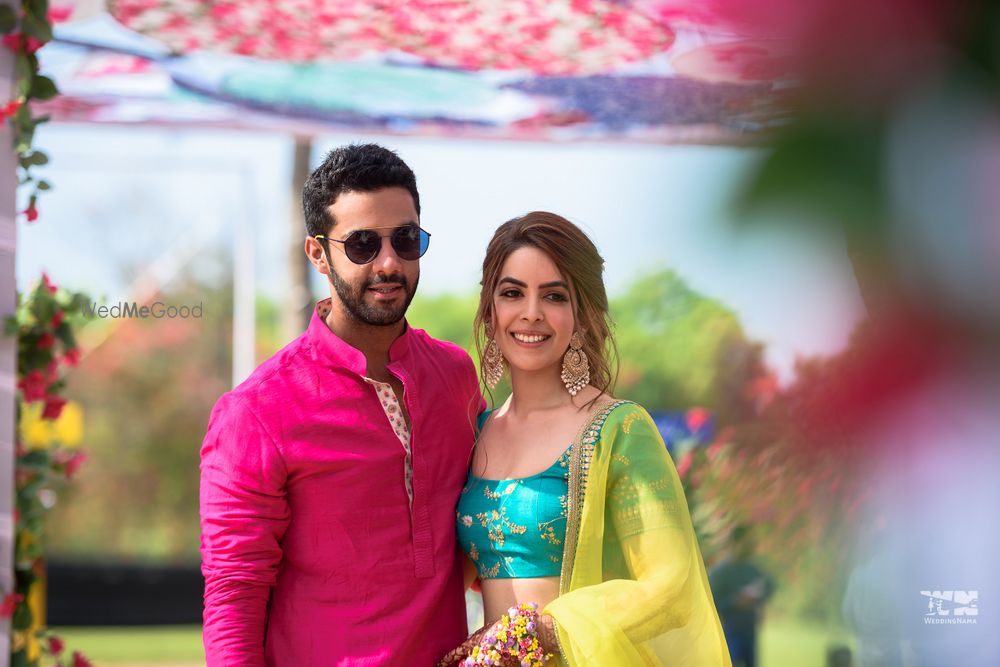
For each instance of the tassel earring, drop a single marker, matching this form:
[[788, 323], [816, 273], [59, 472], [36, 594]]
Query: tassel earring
[[493, 363], [576, 367]]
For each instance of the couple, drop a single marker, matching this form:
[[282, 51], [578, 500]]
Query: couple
[[341, 518]]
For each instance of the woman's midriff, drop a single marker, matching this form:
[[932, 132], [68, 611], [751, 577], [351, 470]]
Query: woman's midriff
[[499, 595]]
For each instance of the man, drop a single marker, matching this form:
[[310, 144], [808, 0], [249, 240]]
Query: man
[[329, 478], [740, 589]]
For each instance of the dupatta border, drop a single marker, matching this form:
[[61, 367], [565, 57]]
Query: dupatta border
[[579, 469]]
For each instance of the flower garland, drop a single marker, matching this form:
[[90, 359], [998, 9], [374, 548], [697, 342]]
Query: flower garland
[[24, 32], [49, 432]]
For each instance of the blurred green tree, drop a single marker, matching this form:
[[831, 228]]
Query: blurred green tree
[[147, 391], [681, 349]]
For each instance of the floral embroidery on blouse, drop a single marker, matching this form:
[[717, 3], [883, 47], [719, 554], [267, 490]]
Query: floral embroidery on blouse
[[516, 527]]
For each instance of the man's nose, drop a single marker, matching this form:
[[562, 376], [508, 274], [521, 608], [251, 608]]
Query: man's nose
[[387, 261]]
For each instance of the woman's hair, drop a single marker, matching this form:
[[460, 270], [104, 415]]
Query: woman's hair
[[577, 259]]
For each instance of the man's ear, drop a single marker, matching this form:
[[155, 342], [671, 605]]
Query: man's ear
[[317, 255]]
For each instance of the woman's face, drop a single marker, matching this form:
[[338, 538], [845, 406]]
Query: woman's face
[[534, 315]]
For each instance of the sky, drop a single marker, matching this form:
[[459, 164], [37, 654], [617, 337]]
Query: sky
[[130, 201]]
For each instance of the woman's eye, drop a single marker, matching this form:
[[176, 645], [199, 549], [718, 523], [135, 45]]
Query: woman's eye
[[510, 293], [555, 296]]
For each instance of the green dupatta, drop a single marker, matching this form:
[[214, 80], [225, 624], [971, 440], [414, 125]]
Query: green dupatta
[[633, 589]]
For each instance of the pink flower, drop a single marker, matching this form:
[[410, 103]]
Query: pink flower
[[80, 661], [12, 41], [684, 464], [10, 108], [60, 14], [56, 645], [52, 372], [696, 418], [49, 285], [57, 319], [72, 356], [45, 341], [10, 604], [53, 407], [31, 213], [18, 42], [73, 463], [33, 386]]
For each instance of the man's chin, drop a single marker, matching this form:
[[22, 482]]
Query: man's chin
[[383, 314]]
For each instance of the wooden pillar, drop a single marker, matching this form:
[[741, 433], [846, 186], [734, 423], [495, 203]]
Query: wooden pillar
[[8, 350], [296, 308]]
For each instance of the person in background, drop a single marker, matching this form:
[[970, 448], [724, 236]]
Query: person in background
[[741, 589]]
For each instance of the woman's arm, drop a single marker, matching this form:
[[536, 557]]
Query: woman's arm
[[469, 573]]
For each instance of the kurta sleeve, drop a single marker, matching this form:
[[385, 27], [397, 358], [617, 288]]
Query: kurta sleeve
[[244, 514], [639, 592]]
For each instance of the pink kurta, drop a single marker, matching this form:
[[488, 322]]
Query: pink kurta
[[311, 552]]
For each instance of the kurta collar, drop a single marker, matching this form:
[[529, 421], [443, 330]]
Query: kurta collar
[[333, 352]]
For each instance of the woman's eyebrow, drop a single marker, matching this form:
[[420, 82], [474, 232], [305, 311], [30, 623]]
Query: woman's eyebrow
[[513, 281]]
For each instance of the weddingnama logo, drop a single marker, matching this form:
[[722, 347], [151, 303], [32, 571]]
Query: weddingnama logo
[[951, 607], [132, 310]]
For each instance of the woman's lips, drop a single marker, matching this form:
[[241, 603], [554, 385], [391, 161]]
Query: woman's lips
[[529, 339]]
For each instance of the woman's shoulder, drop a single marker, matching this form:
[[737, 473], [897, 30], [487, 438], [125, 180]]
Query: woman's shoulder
[[619, 408], [481, 419], [622, 415]]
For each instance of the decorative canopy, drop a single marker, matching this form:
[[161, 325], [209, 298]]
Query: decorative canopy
[[646, 70]]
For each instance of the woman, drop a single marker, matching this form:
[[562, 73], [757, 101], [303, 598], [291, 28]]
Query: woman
[[572, 501]]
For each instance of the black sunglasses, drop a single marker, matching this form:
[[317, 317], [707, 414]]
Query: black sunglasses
[[363, 245]]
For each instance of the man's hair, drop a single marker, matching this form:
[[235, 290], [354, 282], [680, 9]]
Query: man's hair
[[352, 168]]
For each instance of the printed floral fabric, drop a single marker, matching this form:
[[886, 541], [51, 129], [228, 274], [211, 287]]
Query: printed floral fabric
[[543, 36], [394, 413]]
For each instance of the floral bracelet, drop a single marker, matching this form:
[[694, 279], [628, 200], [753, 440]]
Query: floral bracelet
[[517, 637]]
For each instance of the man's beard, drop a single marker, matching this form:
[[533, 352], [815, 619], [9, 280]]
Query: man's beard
[[376, 314]]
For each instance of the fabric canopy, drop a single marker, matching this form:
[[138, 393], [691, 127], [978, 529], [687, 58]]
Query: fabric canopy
[[523, 69]]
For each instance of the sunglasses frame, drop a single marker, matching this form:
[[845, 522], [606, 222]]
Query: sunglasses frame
[[395, 230]]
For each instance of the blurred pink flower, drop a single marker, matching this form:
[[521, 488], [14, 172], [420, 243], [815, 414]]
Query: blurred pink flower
[[53, 407], [45, 341], [60, 13], [56, 645], [49, 285], [33, 386], [72, 356], [696, 418], [685, 463], [9, 604]]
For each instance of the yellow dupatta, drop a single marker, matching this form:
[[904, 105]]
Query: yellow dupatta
[[633, 589]]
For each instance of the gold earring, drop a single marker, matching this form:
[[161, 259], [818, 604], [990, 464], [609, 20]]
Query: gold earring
[[493, 363], [576, 367]]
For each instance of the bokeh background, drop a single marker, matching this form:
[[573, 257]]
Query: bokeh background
[[796, 203]]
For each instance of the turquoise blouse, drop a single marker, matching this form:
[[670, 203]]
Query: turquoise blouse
[[514, 528]]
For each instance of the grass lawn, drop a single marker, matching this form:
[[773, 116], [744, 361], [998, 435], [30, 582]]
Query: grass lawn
[[783, 642], [786, 642], [154, 645]]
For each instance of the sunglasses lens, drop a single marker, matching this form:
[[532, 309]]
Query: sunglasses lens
[[362, 246], [410, 242]]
